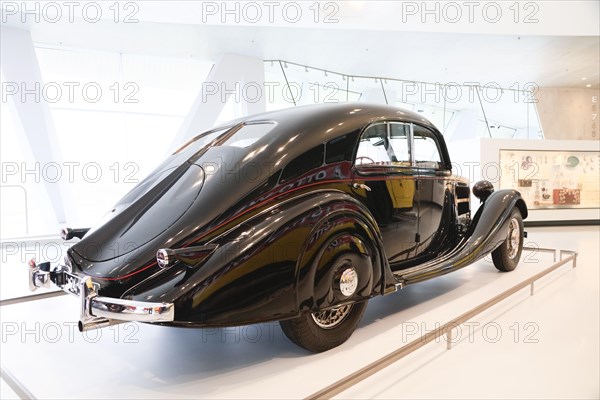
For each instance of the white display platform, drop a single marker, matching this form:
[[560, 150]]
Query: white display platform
[[46, 356]]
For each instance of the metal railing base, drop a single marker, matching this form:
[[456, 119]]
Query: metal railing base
[[446, 329]]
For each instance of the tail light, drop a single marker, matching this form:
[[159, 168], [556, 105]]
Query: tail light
[[189, 256]]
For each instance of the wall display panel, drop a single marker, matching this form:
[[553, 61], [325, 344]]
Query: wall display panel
[[552, 179], [558, 179]]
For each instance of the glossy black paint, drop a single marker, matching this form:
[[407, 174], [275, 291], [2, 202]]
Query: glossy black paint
[[284, 215], [483, 189]]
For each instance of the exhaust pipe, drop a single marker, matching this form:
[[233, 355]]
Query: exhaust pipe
[[89, 324]]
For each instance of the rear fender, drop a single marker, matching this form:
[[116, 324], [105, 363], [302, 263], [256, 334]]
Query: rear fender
[[346, 236], [253, 275]]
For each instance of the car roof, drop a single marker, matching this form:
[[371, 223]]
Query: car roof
[[316, 124], [331, 120]]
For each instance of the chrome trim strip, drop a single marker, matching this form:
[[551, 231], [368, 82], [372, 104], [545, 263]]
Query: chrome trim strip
[[193, 256], [97, 311], [130, 310], [37, 278]]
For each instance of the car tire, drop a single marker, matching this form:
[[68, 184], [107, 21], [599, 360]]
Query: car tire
[[324, 330], [507, 255]]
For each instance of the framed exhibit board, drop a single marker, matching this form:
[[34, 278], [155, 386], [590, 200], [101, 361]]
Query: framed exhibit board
[[552, 178], [558, 179]]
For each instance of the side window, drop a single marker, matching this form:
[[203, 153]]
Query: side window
[[399, 140], [427, 153], [305, 162], [341, 148], [384, 144]]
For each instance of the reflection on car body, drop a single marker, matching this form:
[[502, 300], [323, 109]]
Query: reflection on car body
[[298, 215]]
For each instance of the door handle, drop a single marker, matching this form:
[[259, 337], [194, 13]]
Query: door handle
[[361, 186]]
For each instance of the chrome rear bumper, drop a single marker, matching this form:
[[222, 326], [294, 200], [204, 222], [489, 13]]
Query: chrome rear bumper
[[98, 311]]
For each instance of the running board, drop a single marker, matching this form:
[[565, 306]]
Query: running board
[[401, 282], [430, 266]]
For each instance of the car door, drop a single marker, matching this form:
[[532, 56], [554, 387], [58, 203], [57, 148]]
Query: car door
[[384, 180], [431, 178]]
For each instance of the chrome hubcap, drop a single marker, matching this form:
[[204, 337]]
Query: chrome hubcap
[[331, 318], [348, 282], [514, 237]]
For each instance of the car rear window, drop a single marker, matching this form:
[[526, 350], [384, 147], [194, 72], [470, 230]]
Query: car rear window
[[249, 134], [200, 141]]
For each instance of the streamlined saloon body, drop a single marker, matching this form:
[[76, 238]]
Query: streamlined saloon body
[[298, 215]]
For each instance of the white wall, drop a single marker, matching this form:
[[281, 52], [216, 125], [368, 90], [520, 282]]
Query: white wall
[[569, 114]]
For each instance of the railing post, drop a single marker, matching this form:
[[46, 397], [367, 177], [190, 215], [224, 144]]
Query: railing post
[[449, 339]]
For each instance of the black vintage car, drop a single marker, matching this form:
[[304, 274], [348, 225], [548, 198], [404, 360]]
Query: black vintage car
[[299, 215]]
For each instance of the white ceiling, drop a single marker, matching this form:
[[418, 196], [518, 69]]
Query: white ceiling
[[507, 59]]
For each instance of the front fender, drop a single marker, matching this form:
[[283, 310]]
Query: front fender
[[488, 230], [490, 222]]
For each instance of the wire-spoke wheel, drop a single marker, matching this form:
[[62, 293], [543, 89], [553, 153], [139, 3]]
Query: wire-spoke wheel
[[325, 329], [514, 238], [331, 318], [507, 255]]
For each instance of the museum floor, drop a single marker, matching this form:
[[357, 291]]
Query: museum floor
[[541, 346]]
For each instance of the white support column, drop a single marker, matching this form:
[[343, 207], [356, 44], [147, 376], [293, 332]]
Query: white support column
[[233, 75], [20, 67]]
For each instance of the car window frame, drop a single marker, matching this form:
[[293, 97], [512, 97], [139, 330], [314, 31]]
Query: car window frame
[[384, 169], [441, 163], [398, 169]]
